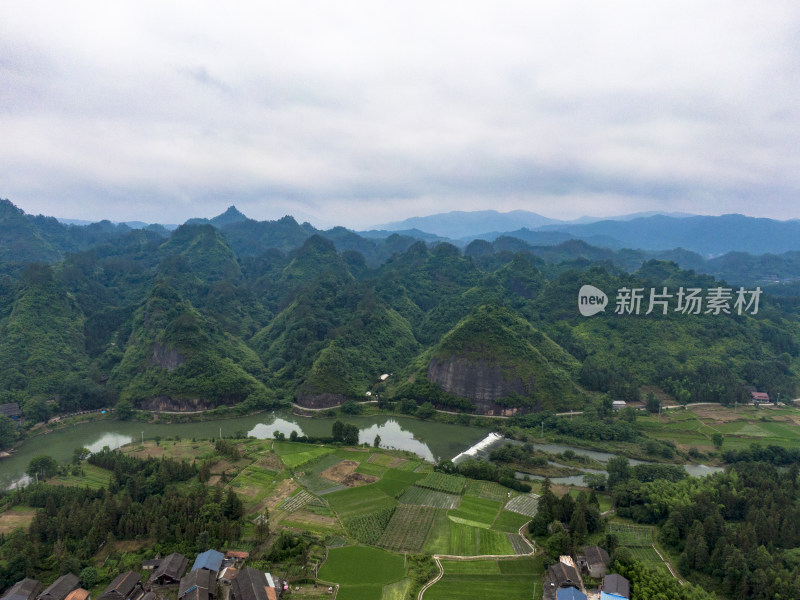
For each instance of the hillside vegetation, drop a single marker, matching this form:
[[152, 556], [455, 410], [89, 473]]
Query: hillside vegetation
[[237, 312]]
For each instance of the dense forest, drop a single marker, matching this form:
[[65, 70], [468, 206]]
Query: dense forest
[[246, 314]]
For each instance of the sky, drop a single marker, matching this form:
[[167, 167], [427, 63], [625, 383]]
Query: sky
[[358, 113]]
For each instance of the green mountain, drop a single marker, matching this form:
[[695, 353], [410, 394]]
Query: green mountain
[[176, 359], [240, 312]]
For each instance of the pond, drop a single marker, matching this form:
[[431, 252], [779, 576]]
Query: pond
[[429, 440]]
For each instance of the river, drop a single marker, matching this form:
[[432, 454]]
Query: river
[[429, 440]]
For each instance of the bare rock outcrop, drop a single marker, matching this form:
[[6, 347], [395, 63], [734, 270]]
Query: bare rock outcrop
[[482, 383], [324, 400], [166, 358]]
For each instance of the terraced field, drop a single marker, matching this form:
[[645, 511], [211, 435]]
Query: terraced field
[[481, 579], [369, 528], [476, 512], [408, 529], [425, 497], [487, 490], [359, 501], [632, 535], [298, 501], [294, 454], [442, 482], [474, 541], [509, 521]]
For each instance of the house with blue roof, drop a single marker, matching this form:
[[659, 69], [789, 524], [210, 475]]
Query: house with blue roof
[[210, 560], [570, 594]]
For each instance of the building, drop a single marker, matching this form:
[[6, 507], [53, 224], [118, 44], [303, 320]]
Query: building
[[200, 584], [760, 398], [593, 561], [170, 570], [236, 557], [227, 575], [562, 575], [12, 411], [27, 589], [210, 560], [127, 586], [251, 584], [615, 587], [60, 588], [570, 594], [79, 594]]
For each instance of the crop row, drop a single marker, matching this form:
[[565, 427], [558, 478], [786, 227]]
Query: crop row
[[408, 529], [298, 501], [442, 482], [369, 528], [487, 490], [524, 505], [423, 497]]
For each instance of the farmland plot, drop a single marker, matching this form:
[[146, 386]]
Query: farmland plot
[[476, 512], [488, 490], [632, 535], [423, 497], [524, 505], [442, 482], [298, 501], [408, 529], [370, 527]]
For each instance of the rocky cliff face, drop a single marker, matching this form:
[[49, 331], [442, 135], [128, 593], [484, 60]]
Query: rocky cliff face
[[166, 358], [325, 400], [167, 403], [481, 383]]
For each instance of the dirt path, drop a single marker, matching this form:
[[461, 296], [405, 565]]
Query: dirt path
[[669, 566]]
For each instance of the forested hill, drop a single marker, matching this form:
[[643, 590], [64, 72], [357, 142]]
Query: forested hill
[[251, 314]]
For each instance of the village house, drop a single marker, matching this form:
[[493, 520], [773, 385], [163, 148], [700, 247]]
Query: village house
[[126, 586], [593, 561], [615, 587], [760, 398], [235, 557], [252, 584], [210, 560], [12, 411], [60, 588], [563, 574], [200, 584], [570, 594], [170, 570], [27, 589], [79, 594], [227, 575]]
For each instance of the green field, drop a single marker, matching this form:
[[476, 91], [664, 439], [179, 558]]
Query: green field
[[632, 535], [395, 482], [649, 556], [408, 529], [472, 541], [441, 482], [482, 579], [319, 485], [362, 571], [509, 521], [424, 497], [488, 490], [294, 454], [359, 501], [92, 477], [369, 528], [476, 512], [740, 427]]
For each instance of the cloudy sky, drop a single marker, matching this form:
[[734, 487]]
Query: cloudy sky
[[362, 112]]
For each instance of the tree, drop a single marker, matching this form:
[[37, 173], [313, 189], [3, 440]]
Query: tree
[[717, 439], [350, 435], [7, 432], [619, 471], [79, 454], [88, 577], [124, 410], [652, 403], [426, 411], [377, 441], [351, 407], [262, 525], [42, 466], [338, 431]]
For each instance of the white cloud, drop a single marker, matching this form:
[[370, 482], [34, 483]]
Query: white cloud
[[361, 112]]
